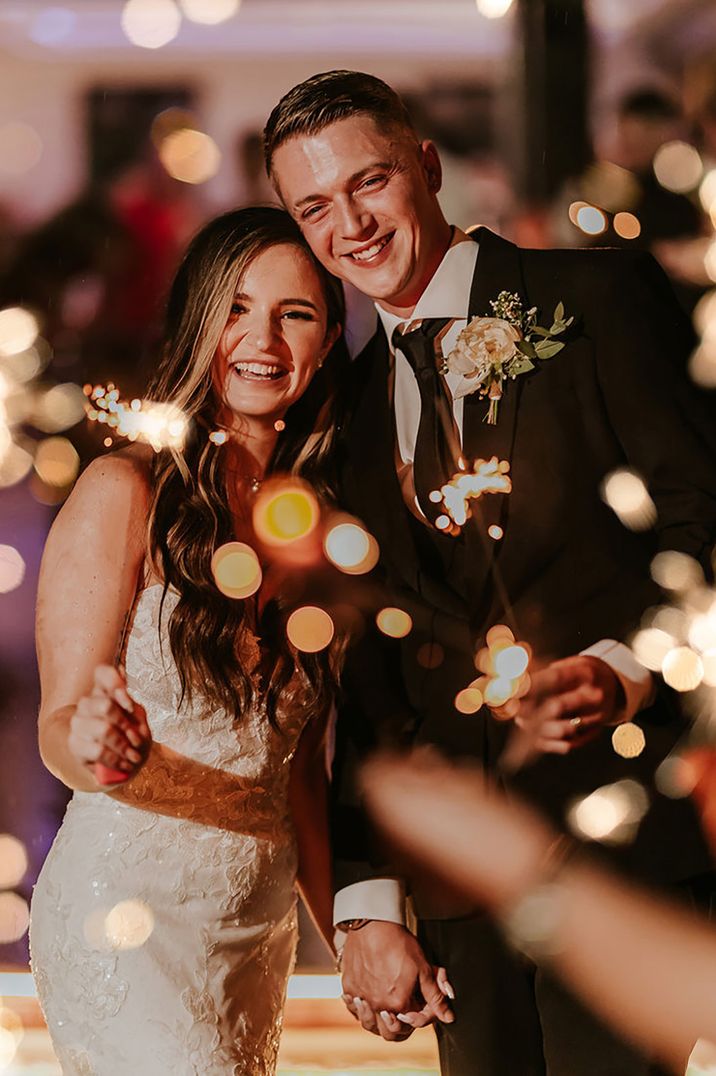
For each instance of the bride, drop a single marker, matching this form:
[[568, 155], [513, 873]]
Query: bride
[[163, 922]]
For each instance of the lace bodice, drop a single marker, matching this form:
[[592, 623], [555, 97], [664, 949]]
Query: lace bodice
[[202, 837]]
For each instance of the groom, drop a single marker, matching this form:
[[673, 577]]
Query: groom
[[550, 558]]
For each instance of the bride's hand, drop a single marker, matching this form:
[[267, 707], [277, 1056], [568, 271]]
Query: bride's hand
[[108, 730]]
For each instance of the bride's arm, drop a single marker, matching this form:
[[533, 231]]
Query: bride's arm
[[308, 794], [90, 566]]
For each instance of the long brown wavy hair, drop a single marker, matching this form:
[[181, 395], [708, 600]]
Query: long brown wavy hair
[[189, 515]]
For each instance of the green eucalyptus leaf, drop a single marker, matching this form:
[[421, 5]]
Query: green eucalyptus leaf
[[526, 348], [548, 348], [520, 365]]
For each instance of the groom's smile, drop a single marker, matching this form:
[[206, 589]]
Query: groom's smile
[[365, 199]]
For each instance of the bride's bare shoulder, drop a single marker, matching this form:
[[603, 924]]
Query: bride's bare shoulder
[[121, 477]]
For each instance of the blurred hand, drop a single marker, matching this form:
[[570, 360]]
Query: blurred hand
[[385, 973], [567, 704], [455, 821], [108, 729]]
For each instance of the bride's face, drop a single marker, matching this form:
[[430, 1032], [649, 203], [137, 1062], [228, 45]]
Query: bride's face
[[276, 336]]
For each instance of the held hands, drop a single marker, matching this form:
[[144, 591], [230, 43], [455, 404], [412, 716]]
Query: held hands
[[108, 730], [388, 984], [567, 704]]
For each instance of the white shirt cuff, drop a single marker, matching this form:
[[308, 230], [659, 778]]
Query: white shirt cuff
[[375, 898], [636, 680]]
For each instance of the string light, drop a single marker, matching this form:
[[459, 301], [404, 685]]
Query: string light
[[19, 329], [14, 917], [493, 9]]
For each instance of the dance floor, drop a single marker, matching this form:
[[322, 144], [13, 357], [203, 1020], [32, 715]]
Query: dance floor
[[320, 1037]]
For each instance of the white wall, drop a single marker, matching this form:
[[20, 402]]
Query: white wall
[[234, 96]]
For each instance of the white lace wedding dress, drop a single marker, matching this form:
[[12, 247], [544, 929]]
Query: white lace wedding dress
[[212, 886]]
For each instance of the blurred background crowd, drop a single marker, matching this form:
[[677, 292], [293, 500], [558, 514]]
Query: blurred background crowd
[[125, 124]]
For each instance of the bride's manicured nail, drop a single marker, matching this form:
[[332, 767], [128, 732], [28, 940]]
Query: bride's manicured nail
[[404, 1019], [448, 990], [385, 1014]]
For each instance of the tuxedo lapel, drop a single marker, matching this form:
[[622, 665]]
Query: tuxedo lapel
[[498, 269]]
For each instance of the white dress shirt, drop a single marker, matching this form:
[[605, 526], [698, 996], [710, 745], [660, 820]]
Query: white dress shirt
[[448, 296]]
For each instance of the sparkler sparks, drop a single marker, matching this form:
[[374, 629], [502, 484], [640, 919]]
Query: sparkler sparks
[[161, 425], [487, 476], [503, 663]]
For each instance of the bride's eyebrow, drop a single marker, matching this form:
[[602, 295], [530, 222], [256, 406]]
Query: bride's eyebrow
[[243, 297]]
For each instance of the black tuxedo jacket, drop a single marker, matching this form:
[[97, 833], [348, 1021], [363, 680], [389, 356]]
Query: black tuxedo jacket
[[617, 395]]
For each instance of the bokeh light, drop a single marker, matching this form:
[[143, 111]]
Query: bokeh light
[[651, 645], [59, 408], [493, 9], [394, 622], [628, 740], [286, 510], [190, 156], [707, 191], [20, 148], [351, 548], [151, 23], [128, 925], [495, 532], [627, 225], [236, 570], [682, 669], [678, 166], [609, 814], [12, 569], [676, 571], [18, 330], [57, 463], [468, 701], [497, 633], [511, 662], [702, 364], [627, 496], [591, 220], [13, 861], [15, 464], [310, 629], [209, 12], [14, 917]]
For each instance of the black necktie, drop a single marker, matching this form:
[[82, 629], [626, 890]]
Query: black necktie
[[433, 464]]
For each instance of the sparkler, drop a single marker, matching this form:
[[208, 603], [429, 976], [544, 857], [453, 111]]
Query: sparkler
[[487, 476], [161, 425]]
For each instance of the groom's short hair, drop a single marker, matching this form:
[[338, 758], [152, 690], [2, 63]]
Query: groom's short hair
[[325, 99]]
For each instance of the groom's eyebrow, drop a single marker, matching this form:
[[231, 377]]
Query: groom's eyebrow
[[355, 178]]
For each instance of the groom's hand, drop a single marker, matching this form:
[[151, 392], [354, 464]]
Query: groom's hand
[[567, 704], [385, 972]]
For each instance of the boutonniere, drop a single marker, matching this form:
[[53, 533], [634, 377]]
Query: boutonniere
[[491, 349]]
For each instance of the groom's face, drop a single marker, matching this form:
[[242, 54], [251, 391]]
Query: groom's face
[[365, 199]]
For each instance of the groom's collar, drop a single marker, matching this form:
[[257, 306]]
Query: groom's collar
[[448, 293]]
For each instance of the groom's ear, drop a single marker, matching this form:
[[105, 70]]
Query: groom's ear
[[431, 166]]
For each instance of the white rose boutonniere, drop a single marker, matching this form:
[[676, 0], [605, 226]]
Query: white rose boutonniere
[[491, 349]]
